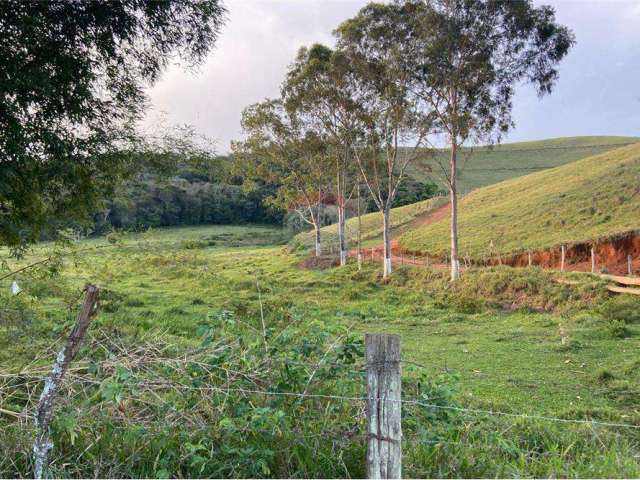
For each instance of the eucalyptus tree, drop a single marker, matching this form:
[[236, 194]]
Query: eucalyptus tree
[[318, 88], [467, 57], [280, 149], [72, 78], [393, 128]]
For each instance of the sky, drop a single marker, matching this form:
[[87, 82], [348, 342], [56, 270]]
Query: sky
[[598, 92]]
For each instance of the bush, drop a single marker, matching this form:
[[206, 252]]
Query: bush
[[621, 309], [617, 329]]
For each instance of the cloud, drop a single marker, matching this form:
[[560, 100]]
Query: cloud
[[596, 93], [248, 64]]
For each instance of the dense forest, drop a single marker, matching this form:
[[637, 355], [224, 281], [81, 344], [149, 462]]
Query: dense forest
[[193, 195]]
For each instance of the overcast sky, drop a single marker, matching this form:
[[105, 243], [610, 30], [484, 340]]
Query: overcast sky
[[598, 92]]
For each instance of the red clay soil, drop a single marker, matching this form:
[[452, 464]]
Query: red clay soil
[[435, 216], [611, 254]]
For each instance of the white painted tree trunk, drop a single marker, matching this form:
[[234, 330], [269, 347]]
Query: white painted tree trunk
[[386, 234], [342, 241], [359, 230], [318, 244], [455, 263]]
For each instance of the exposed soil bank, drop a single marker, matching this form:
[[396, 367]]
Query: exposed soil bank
[[610, 256]]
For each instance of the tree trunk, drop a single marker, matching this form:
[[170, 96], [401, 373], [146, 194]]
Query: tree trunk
[[455, 263], [316, 226], [341, 234], [341, 209], [359, 230], [386, 234]]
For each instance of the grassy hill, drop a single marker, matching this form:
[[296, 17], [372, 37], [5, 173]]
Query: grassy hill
[[479, 167], [371, 225], [482, 166], [595, 197]]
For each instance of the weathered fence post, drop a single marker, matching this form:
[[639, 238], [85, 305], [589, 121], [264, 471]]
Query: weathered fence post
[[384, 429], [530, 259], [593, 260], [563, 253], [629, 265], [43, 445]]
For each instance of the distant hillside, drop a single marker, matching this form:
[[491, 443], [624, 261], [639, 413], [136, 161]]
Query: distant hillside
[[591, 198], [484, 166]]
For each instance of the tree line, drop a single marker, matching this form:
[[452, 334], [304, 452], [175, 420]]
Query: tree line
[[403, 78]]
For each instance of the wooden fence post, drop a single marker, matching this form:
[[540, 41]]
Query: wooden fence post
[[563, 253], [530, 259], [43, 445], [384, 429], [629, 265], [593, 260]]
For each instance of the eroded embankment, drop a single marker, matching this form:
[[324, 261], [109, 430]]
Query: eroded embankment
[[611, 255]]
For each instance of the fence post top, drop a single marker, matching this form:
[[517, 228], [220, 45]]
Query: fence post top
[[382, 347]]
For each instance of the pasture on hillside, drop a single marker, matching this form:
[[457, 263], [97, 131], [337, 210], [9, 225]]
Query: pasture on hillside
[[584, 201], [482, 166], [179, 378]]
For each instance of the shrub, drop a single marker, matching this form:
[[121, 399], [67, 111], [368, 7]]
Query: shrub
[[617, 329], [623, 309]]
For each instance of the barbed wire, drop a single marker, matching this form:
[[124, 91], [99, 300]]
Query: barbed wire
[[362, 398], [432, 405]]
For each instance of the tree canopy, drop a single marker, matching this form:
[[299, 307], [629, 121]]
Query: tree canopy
[[72, 77]]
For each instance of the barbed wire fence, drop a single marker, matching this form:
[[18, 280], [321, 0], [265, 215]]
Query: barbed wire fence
[[382, 397]]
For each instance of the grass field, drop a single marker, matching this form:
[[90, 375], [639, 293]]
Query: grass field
[[503, 340], [484, 166], [582, 201]]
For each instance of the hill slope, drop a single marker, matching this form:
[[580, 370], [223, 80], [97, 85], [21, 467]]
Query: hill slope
[[371, 225], [482, 166], [588, 199]]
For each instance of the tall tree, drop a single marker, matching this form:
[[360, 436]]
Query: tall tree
[[393, 128], [280, 149], [318, 88], [72, 79], [467, 56]]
